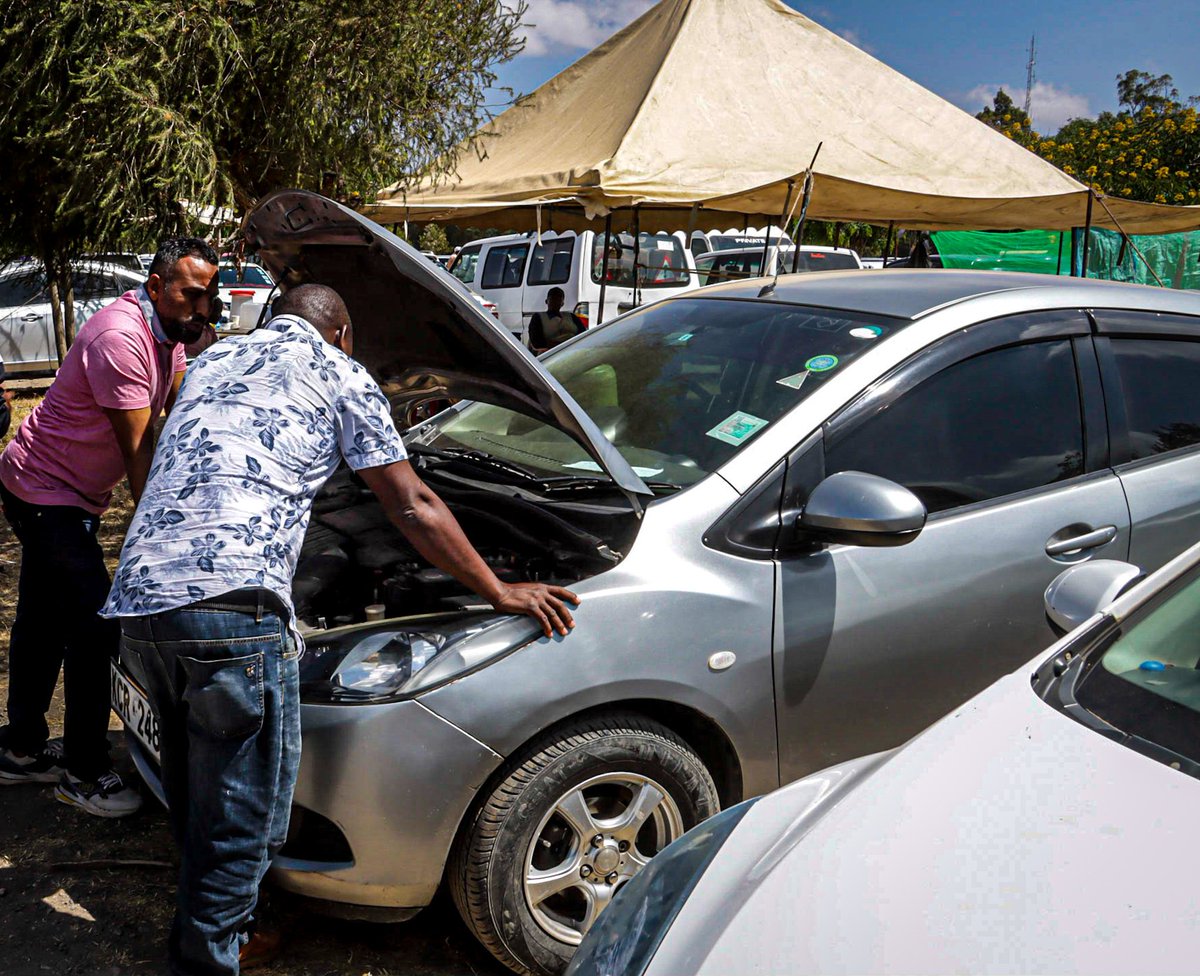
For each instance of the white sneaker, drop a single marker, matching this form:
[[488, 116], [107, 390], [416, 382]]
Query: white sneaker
[[107, 797], [44, 767]]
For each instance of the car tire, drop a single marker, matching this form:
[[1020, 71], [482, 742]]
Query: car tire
[[617, 764]]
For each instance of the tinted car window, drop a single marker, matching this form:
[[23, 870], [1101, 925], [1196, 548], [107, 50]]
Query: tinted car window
[[678, 387], [463, 265], [820, 261], [93, 285], [1160, 380], [250, 275], [1001, 422], [21, 288], [551, 262], [660, 259], [505, 266]]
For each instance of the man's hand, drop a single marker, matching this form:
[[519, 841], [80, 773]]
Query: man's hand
[[548, 604], [135, 438]]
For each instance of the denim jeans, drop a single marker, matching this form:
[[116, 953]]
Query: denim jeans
[[224, 684], [62, 586]]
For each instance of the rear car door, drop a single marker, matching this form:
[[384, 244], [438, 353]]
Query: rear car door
[[999, 429], [26, 321], [1150, 364], [501, 279]]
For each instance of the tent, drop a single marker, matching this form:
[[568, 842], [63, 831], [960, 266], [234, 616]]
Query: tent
[[715, 105]]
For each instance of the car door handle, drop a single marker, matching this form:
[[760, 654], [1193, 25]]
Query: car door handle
[[30, 317], [1089, 540]]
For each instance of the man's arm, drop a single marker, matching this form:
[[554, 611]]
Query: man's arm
[[435, 533], [135, 438], [176, 382]]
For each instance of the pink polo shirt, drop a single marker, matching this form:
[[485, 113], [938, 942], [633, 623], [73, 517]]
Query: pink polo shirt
[[65, 453]]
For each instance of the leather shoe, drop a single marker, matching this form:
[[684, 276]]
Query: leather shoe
[[261, 949]]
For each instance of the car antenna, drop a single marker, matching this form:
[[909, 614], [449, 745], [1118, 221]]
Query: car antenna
[[803, 200]]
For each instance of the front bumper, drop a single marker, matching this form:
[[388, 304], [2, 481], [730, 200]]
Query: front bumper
[[390, 784]]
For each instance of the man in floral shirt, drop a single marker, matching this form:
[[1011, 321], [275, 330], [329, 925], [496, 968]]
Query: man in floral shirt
[[204, 590]]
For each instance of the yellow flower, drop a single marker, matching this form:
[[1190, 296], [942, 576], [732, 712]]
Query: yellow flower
[[1126, 191], [1159, 198], [1178, 196], [1181, 173], [1068, 170], [1090, 171], [1162, 172]]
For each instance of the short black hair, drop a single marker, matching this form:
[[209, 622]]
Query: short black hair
[[319, 305], [173, 249], [556, 291]]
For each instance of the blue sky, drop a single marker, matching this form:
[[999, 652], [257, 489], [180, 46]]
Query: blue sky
[[962, 51]]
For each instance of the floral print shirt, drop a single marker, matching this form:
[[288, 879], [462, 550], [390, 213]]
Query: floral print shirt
[[260, 423]]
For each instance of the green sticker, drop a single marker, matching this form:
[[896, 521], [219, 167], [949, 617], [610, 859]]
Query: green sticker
[[738, 427], [821, 364]]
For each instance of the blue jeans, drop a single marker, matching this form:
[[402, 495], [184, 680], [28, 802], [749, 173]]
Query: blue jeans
[[224, 684]]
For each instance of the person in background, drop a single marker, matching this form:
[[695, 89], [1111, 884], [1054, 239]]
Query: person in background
[[94, 427], [204, 594], [547, 329]]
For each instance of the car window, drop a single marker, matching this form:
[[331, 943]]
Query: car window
[[660, 258], [464, 264], [504, 266], [1160, 381], [551, 262], [1146, 681], [90, 286], [718, 266], [22, 288], [998, 423], [678, 387], [250, 275], [820, 261]]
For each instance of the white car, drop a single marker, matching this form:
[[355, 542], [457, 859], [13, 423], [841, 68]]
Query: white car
[[250, 283], [1046, 826], [747, 262], [26, 316]]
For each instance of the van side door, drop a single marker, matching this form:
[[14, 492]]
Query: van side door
[[501, 278], [552, 265]]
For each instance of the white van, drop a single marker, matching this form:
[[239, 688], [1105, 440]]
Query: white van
[[516, 271]]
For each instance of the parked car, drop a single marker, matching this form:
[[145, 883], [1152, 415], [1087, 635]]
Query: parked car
[[516, 271], [27, 317], [735, 265], [702, 242], [248, 282], [1025, 832], [790, 514]]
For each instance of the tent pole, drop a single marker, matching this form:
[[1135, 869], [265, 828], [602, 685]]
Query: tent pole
[[887, 247], [637, 253], [1087, 235], [604, 266], [1058, 267]]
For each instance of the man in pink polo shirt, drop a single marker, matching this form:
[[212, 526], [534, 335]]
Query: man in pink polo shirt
[[94, 427]]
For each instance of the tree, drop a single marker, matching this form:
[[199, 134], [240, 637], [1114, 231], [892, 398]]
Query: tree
[[127, 116], [1138, 90], [434, 239], [1003, 116]]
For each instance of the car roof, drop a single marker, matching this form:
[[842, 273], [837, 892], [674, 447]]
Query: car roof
[[912, 293], [775, 245]]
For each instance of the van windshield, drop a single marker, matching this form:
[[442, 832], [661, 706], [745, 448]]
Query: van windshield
[[660, 260], [678, 387]]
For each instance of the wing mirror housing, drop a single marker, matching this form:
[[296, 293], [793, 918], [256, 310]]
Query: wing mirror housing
[[858, 509], [1080, 592]]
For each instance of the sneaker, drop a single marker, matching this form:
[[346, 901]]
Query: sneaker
[[42, 767], [106, 797]]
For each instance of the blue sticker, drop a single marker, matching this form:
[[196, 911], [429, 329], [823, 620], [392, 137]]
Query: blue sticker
[[821, 364]]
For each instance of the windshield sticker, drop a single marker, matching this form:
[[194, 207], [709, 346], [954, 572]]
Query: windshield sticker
[[795, 381], [737, 428], [821, 364], [679, 338], [867, 332], [666, 245]]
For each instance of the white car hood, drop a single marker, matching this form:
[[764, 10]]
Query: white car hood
[[1008, 838]]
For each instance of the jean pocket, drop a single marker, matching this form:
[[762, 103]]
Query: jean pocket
[[224, 697]]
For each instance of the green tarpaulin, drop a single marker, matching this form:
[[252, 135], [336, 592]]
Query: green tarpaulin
[[1174, 258]]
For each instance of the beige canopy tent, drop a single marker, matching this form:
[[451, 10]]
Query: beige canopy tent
[[714, 105]]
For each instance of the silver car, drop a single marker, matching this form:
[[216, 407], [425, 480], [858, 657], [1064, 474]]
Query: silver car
[[805, 520]]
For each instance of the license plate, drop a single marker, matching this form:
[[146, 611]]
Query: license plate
[[134, 709]]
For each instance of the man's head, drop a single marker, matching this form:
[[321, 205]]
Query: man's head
[[554, 300], [183, 287], [322, 308]]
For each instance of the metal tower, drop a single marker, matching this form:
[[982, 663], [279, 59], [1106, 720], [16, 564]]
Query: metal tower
[[1029, 75]]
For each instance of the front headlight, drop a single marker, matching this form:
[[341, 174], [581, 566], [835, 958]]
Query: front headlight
[[625, 938], [398, 659]]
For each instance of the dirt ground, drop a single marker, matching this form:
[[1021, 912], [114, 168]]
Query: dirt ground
[[81, 895]]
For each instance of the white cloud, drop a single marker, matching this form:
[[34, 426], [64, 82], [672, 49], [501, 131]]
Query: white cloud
[[851, 35], [1051, 106], [554, 26]]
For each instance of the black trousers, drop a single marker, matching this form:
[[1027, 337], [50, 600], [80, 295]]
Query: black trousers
[[63, 584]]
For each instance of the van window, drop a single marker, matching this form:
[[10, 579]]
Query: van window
[[660, 258], [464, 264], [505, 266], [551, 262], [1160, 379]]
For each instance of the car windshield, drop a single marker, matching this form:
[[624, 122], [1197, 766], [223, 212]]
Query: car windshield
[[252, 275], [678, 387], [1146, 682]]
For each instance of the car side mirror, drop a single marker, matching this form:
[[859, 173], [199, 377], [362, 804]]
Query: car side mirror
[[858, 509], [1080, 592]]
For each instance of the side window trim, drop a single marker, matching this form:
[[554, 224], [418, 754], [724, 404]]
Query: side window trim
[[1120, 448], [1097, 429], [1145, 324]]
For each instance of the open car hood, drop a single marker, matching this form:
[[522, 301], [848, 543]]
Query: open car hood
[[415, 329]]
